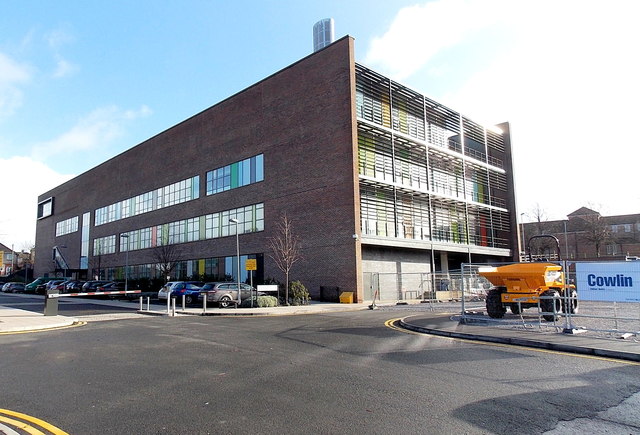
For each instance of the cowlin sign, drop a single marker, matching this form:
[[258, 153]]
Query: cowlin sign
[[617, 281]]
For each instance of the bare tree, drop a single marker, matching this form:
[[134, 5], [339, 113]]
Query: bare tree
[[166, 258], [541, 247], [95, 261], [596, 231], [285, 249]]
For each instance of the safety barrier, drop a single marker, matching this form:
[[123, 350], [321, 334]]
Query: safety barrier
[[51, 298], [607, 301], [64, 295]]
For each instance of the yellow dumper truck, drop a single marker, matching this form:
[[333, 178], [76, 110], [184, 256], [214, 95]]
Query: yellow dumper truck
[[525, 285]]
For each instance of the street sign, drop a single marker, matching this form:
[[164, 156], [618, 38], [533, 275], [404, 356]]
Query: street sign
[[251, 264]]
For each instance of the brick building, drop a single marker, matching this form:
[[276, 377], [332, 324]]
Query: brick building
[[587, 235], [374, 177]]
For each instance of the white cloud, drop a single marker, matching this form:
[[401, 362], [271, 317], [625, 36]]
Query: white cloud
[[420, 32], [13, 75], [29, 179], [566, 81], [95, 131], [64, 68], [57, 39]]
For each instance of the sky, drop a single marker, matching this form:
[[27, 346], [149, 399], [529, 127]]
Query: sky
[[81, 82]]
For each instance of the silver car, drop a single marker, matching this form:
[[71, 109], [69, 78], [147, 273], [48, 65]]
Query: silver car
[[165, 291], [225, 293]]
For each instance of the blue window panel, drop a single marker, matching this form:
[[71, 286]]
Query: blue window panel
[[259, 168], [252, 169], [246, 172], [195, 187]]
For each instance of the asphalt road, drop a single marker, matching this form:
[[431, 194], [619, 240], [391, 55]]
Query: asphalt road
[[323, 373]]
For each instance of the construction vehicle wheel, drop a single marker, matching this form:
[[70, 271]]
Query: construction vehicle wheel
[[515, 308], [547, 305], [571, 305], [495, 309]]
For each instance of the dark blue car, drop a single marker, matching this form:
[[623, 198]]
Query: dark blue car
[[190, 290]]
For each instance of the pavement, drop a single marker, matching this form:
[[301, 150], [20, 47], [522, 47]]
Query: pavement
[[13, 320]]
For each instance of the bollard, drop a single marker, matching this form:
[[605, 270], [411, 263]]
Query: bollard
[[148, 303], [168, 304], [204, 303], [51, 304], [184, 305], [140, 303], [173, 306]]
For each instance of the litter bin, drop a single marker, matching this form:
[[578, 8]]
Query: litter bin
[[346, 297], [51, 303]]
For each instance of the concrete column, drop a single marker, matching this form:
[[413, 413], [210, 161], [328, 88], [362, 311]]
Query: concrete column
[[444, 262]]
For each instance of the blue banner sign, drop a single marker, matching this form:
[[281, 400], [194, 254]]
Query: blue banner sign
[[617, 281]]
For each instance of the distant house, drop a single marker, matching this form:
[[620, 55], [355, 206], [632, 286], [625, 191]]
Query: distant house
[[587, 235], [7, 260]]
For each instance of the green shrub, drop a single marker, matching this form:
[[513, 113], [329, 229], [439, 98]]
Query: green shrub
[[260, 302], [298, 293], [267, 301]]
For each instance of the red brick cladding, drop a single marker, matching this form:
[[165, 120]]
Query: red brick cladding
[[301, 118]]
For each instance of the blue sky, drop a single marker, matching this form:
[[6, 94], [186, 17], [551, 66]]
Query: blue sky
[[81, 82]]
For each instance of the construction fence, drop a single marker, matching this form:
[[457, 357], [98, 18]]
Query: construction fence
[[608, 296]]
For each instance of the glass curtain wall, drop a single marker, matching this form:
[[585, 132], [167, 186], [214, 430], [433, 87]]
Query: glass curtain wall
[[426, 172]]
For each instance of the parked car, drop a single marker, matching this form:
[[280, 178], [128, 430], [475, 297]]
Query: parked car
[[190, 290], [114, 286], [32, 287], [91, 286], [224, 293], [58, 284], [13, 287], [74, 286], [165, 290]]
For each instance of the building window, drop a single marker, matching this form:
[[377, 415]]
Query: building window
[[613, 249], [211, 226], [45, 208], [176, 193], [193, 229], [104, 245], [67, 226], [235, 175]]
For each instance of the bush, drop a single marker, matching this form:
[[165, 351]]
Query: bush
[[267, 301], [298, 294], [260, 302]]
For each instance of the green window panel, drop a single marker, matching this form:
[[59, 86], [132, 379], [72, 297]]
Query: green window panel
[[235, 182]]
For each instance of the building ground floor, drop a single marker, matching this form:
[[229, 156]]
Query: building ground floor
[[414, 272]]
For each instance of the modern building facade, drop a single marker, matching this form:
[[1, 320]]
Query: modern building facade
[[375, 177], [586, 235]]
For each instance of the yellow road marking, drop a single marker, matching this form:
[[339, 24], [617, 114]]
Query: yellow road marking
[[391, 324], [21, 425], [74, 325]]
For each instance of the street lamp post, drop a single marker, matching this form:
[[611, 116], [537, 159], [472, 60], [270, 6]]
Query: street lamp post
[[524, 239], [566, 241], [126, 262], [235, 221]]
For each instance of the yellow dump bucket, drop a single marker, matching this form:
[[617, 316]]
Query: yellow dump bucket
[[346, 297]]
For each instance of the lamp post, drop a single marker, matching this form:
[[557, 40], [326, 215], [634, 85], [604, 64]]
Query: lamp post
[[235, 221], [566, 241], [126, 262], [524, 239]]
